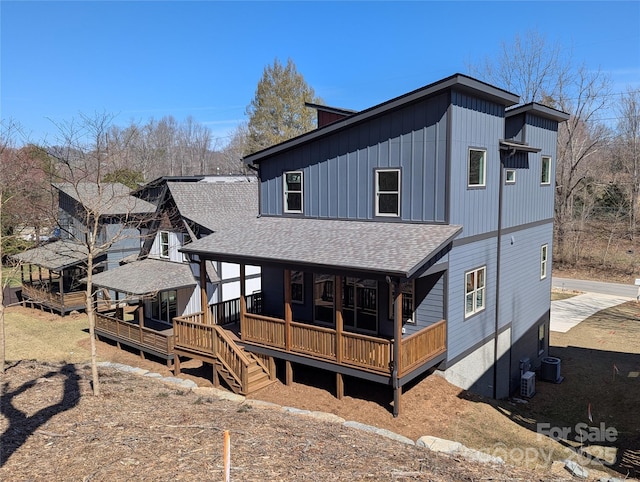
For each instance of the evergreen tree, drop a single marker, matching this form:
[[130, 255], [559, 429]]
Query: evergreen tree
[[277, 112]]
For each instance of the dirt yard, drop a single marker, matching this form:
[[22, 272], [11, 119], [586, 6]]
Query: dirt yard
[[118, 436]]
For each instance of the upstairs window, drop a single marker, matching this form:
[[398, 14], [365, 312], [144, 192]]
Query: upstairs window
[[474, 291], [510, 176], [388, 192], [186, 239], [477, 167], [293, 192], [164, 244], [543, 261], [545, 175]]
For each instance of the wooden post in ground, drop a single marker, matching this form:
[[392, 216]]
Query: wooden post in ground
[[288, 373], [397, 346]]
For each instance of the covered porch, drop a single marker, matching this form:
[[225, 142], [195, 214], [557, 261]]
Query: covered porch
[[322, 332], [124, 319], [52, 274]]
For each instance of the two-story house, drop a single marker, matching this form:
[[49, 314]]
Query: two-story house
[[412, 236], [52, 274], [162, 282]]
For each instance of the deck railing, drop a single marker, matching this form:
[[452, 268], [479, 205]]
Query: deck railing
[[40, 293], [136, 335], [421, 346], [359, 351], [227, 312], [192, 334]]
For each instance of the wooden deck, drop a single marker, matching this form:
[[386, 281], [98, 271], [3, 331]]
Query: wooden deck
[[154, 338], [360, 352], [41, 294]]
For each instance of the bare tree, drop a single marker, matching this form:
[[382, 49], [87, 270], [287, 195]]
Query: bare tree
[[627, 148], [14, 180], [84, 158], [529, 66]]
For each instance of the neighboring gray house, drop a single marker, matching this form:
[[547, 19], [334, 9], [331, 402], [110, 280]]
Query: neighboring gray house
[[411, 236], [164, 282], [52, 274], [122, 216]]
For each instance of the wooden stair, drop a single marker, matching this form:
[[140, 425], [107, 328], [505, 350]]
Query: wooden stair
[[249, 375]]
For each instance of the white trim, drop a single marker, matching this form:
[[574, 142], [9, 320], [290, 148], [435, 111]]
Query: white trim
[[483, 182], [286, 191], [378, 192], [474, 290], [544, 260], [542, 171]]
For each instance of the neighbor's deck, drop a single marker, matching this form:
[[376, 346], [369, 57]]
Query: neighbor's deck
[[46, 295]]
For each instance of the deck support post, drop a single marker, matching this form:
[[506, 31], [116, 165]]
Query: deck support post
[[288, 373], [288, 315], [215, 379], [339, 386], [397, 345], [176, 364], [203, 292]]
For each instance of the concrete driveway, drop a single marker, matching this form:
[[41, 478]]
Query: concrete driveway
[[565, 314]]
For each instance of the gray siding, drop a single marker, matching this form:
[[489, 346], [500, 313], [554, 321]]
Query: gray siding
[[463, 334], [524, 297], [339, 169], [528, 201], [474, 124]]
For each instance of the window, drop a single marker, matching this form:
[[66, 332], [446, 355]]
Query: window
[[543, 261], [408, 307], [477, 167], [510, 176], [186, 239], [323, 305], [293, 192], [388, 192], [542, 344], [164, 307], [164, 244], [545, 177], [474, 291], [297, 287], [360, 304]]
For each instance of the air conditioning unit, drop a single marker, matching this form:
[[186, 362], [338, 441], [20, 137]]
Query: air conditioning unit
[[550, 369], [528, 384]]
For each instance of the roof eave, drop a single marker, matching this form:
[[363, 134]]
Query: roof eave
[[461, 81]]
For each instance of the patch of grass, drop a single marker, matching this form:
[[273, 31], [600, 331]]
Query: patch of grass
[[163, 395], [47, 336], [557, 295]]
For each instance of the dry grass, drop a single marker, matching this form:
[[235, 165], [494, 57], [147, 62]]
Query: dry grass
[[504, 428], [45, 336]]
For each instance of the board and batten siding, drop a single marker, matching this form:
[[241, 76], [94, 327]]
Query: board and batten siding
[[475, 123], [463, 333], [524, 296], [338, 170]]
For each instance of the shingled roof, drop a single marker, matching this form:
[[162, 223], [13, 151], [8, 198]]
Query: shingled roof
[[107, 199], [399, 249], [54, 256], [215, 205], [145, 277]]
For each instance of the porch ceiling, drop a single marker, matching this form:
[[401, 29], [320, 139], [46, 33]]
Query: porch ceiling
[[54, 256], [383, 248], [145, 277]]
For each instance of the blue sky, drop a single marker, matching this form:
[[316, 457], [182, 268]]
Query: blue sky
[[148, 59]]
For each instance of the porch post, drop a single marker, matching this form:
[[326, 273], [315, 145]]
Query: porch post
[[204, 302], [288, 315], [337, 296], [140, 312], [243, 300], [61, 288], [397, 345]]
